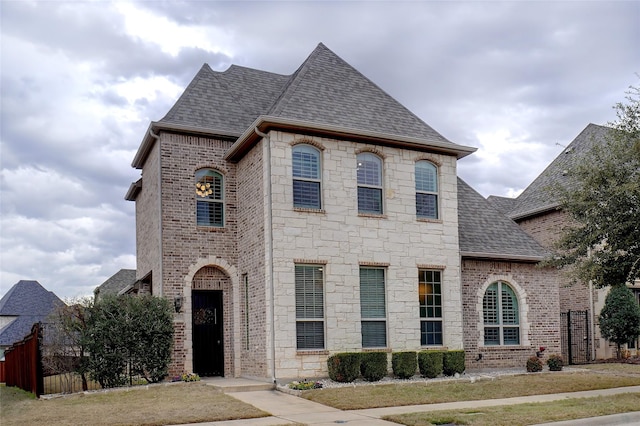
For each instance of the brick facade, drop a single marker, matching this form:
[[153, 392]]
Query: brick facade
[[537, 293]]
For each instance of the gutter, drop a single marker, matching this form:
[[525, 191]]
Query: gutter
[[270, 272], [498, 256], [264, 123], [534, 212]]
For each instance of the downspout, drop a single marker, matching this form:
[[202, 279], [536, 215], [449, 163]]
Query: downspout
[[270, 272], [592, 317], [157, 138]]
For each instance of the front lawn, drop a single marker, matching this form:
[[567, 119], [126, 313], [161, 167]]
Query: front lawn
[[374, 396]]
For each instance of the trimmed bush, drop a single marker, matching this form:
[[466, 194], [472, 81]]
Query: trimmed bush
[[373, 365], [534, 364], [555, 363], [344, 367], [430, 363], [453, 362], [404, 364]]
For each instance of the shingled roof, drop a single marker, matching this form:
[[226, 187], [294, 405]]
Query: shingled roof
[[485, 232], [116, 283], [30, 303], [325, 94], [539, 196]]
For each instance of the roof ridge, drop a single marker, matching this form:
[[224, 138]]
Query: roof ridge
[[278, 103], [193, 83]]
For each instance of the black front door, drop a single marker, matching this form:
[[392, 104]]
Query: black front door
[[208, 341]]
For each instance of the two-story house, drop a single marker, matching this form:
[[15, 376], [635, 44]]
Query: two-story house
[[290, 217]]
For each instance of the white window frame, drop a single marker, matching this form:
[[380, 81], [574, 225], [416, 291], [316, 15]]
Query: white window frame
[[367, 305], [420, 190], [499, 311], [204, 193], [301, 178], [305, 313], [362, 158]]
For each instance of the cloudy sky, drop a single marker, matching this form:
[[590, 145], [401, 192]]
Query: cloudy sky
[[80, 82]]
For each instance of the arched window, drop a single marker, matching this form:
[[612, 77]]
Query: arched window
[[426, 190], [307, 177], [369, 183], [209, 198], [501, 315]]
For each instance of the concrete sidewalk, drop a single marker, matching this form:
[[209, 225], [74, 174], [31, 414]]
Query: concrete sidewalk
[[285, 409]]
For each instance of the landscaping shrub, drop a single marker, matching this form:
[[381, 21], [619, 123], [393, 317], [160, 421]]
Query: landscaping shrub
[[373, 365], [453, 362], [534, 364], [344, 367], [430, 363], [555, 363], [404, 364]]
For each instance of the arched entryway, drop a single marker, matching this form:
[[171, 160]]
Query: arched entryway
[[211, 321]]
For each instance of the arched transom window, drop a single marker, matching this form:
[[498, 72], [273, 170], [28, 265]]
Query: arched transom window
[[307, 177], [369, 183], [426, 190], [209, 198], [501, 315]]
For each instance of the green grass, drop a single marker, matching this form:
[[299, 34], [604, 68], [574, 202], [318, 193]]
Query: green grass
[[360, 397], [176, 403], [525, 414]]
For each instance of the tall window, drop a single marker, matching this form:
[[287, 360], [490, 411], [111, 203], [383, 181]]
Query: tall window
[[309, 306], [369, 183], [426, 190], [430, 295], [307, 177], [372, 308], [209, 198], [501, 316]]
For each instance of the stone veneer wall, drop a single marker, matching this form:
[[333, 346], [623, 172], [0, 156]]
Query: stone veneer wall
[[187, 247], [342, 240], [252, 263], [537, 293]]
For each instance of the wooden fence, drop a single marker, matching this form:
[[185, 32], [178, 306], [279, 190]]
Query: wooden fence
[[23, 363]]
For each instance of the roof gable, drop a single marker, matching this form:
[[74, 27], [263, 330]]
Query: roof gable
[[326, 89], [487, 233]]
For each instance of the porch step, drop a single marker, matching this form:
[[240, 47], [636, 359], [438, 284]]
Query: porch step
[[238, 384]]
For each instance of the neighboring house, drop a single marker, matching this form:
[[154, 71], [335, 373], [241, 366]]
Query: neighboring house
[[537, 211], [290, 217], [121, 282], [25, 304]]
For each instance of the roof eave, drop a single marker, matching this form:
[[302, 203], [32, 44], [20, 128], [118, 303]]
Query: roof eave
[[264, 123], [155, 127], [502, 256], [535, 212], [134, 190]]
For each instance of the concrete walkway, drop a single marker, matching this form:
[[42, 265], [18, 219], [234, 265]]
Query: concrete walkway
[[287, 409]]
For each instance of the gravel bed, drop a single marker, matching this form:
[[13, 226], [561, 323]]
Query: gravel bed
[[466, 376]]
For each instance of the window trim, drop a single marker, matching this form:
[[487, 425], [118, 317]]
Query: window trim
[[375, 319], [318, 180], [435, 193], [199, 175], [380, 188], [304, 319], [425, 319], [500, 325]]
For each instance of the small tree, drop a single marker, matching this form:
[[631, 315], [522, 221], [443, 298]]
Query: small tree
[[620, 317]]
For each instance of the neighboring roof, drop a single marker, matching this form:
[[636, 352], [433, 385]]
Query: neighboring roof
[[325, 95], [31, 303], [485, 232], [117, 282], [539, 197]]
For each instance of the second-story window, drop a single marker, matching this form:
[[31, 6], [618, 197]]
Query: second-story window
[[209, 198], [426, 190], [307, 177], [369, 183]]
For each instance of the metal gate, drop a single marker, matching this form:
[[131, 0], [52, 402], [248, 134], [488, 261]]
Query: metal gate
[[575, 336]]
